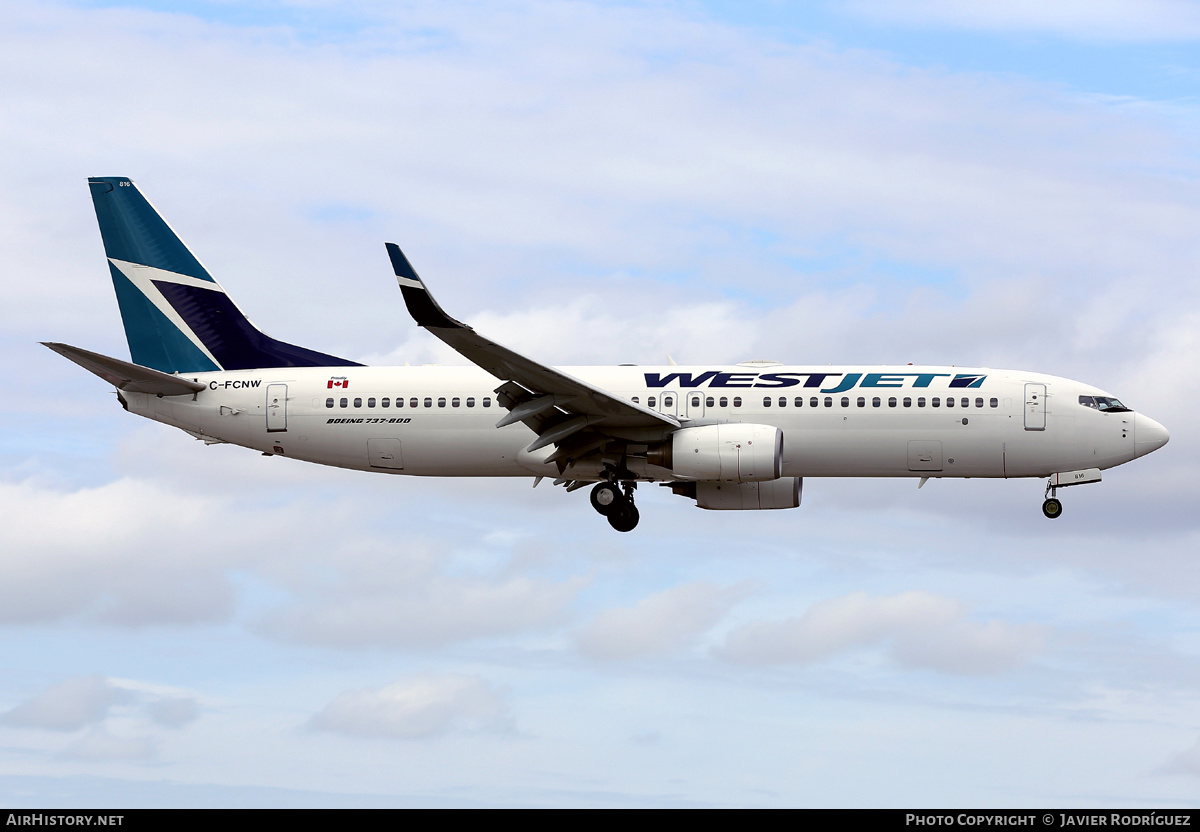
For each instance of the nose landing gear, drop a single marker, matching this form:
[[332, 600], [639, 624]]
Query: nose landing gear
[[608, 500], [1052, 508]]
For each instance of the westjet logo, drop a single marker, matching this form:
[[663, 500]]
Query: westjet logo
[[837, 382]]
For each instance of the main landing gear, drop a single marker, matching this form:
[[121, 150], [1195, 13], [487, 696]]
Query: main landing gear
[[1051, 507], [608, 500]]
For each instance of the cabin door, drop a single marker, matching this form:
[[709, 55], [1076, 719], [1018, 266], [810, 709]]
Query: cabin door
[[1035, 407], [276, 408]]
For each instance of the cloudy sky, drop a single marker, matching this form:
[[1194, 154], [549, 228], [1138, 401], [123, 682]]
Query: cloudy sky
[[1008, 185]]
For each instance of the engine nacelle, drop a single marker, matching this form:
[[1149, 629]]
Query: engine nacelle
[[750, 496], [728, 453]]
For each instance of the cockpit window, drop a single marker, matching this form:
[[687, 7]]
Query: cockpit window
[[1105, 403]]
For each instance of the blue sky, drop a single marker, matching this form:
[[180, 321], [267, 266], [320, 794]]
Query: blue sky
[[599, 183]]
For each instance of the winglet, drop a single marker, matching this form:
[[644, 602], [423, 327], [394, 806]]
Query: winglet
[[420, 303]]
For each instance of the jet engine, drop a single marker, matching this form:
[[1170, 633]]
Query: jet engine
[[737, 452]]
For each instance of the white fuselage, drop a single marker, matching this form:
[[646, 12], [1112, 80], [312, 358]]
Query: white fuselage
[[843, 421]]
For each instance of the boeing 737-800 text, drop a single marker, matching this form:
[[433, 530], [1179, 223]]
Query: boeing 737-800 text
[[729, 437]]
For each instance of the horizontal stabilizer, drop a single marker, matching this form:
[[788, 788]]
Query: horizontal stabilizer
[[123, 375]]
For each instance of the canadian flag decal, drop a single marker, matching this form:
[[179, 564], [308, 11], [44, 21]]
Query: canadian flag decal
[[338, 381]]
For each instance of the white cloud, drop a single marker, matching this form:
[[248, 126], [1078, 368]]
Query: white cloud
[[416, 707], [126, 553], [83, 701], [1105, 20], [68, 706], [1186, 762], [659, 623], [174, 712], [919, 630], [434, 612], [98, 745]]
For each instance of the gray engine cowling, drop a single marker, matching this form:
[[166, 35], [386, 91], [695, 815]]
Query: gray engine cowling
[[738, 452], [746, 496]]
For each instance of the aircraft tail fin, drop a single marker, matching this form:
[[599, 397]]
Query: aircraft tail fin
[[177, 318]]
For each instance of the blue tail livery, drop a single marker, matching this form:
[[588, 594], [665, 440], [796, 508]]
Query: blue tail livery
[[177, 318]]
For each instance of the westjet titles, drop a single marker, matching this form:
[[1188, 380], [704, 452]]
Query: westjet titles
[[848, 381]]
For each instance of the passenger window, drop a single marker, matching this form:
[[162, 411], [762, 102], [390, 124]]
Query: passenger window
[[812, 402], [649, 401], [470, 401], [724, 401], [695, 401], [949, 401], [965, 402], [709, 402], [907, 401], [766, 401], [845, 401], [891, 401], [994, 403], [344, 403], [737, 401], [455, 402], [329, 402], [829, 401], [413, 403], [358, 402], [937, 402], [385, 402], [668, 401], [371, 402], [428, 402], [979, 402], [862, 402], [399, 402], [799, 401], [921, 401], [875, 402], [487, 402], [441, 401]]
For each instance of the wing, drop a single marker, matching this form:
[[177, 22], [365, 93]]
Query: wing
[[561, 409]]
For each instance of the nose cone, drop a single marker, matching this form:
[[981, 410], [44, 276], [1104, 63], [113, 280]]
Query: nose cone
[[1148, 435]]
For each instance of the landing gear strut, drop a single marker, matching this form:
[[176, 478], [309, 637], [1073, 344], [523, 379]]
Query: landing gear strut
[[608, 500], [1051, 507]]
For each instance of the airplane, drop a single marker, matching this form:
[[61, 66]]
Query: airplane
[[729, 437]]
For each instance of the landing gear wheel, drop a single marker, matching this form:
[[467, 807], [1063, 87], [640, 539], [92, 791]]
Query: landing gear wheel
[[1052, 508], [604, 496], [623, 515]]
